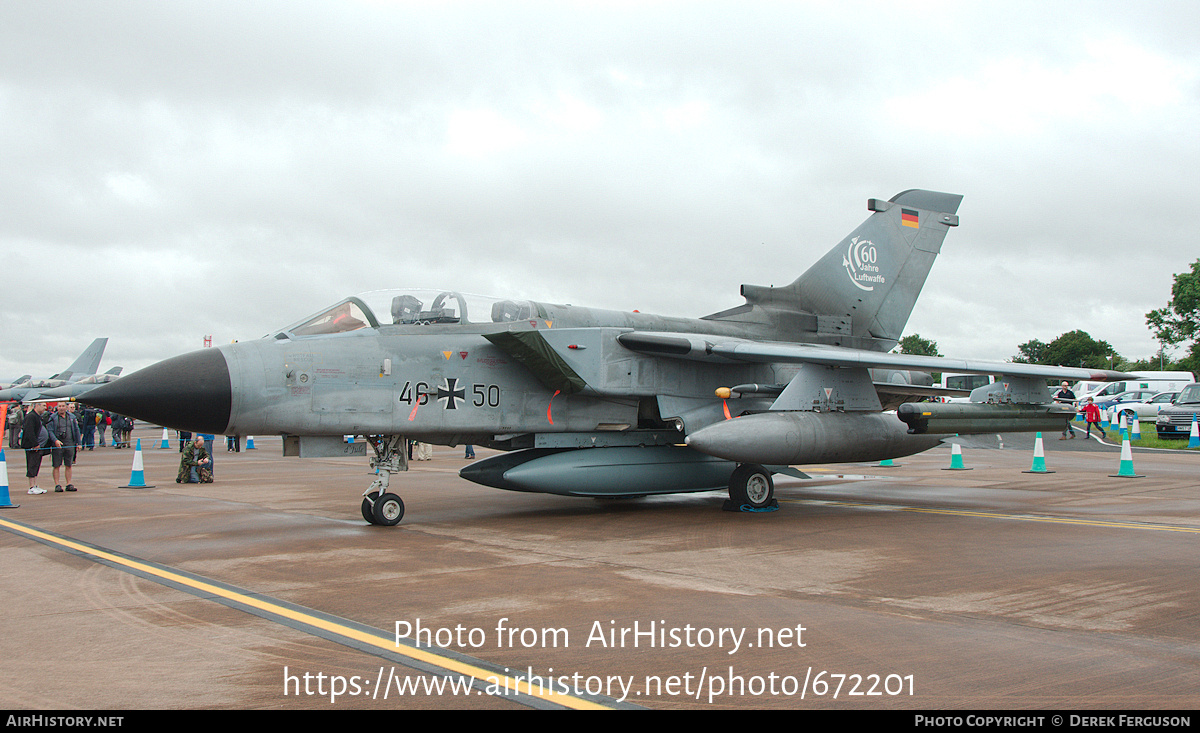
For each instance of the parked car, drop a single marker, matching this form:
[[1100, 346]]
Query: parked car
[[1147, 409], [1175, 420], [1133, 395]]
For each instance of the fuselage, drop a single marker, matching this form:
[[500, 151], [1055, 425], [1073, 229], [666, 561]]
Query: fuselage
[[448, 383], [436, 376]]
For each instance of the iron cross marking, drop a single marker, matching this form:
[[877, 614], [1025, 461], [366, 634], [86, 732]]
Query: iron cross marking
[[450, 394]]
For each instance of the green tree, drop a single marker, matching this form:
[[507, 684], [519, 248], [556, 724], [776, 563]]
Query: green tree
[[1179, 321], [1074, 348], [1160, 361], [1032, 352], [914, 344], [1077, 348]]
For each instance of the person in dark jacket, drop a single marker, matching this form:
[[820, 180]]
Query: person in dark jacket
[[36, 440], [65, 429], [87, 423], [121, 428], [1066, 397]]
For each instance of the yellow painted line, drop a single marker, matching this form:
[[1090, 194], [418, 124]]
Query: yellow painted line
[[1015, 517], [453, 665]]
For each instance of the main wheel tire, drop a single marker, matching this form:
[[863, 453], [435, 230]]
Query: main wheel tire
[[388, 510], [751, 485], [368, 506]]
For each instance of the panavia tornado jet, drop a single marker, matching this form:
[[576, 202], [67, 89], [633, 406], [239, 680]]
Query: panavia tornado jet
[[600, 403], [27, 389], [74, 389]]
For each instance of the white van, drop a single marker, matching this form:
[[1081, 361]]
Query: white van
[[1154, 381]]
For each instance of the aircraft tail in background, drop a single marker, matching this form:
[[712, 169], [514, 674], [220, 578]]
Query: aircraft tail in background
[[88, 362]]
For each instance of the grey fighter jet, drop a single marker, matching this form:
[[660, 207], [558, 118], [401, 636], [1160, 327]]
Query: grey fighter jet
[[75, 389], [84, 366], [19, 380], [600, 403]]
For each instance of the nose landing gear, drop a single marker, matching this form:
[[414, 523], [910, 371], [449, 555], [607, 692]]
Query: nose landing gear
[[379, 506]]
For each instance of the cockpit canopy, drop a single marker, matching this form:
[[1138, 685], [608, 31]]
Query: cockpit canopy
[[410, 307]]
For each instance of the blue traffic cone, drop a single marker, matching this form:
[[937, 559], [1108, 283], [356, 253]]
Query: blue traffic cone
[[1194, 439], [249, 442], [166, 442], [1126, 468], [5, 501], [137, 477], [956, 459], [1039, 457]]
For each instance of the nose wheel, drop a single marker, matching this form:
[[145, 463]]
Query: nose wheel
[[379, 506], [385, 510], [368, 506]]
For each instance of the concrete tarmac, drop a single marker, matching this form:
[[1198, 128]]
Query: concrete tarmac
[[910, 587]]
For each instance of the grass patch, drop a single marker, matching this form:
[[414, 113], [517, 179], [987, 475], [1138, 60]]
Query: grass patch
[[1151, 440]]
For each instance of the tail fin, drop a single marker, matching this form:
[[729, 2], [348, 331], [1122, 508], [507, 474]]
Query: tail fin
[[863, 290], [89, 361]]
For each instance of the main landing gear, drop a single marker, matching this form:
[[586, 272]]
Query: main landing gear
[[379, 506], [751, 489]]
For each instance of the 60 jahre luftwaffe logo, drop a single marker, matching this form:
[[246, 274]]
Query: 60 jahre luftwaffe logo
[[860, 263]]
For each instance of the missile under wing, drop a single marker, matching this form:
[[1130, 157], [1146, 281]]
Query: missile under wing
[[590, 402]]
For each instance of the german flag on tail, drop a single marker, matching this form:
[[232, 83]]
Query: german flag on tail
[[909, 218]]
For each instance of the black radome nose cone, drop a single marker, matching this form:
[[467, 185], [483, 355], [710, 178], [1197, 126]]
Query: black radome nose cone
[[187, 392]]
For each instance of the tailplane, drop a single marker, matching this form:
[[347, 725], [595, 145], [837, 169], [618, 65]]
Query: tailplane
[[89, 361], [861, 293]]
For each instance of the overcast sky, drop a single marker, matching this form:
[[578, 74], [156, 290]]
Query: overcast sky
[[177, 169]]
